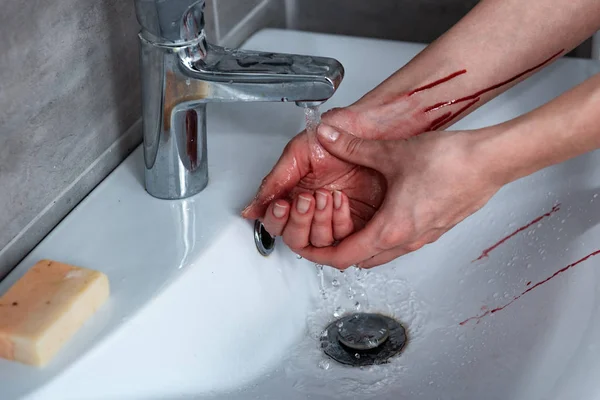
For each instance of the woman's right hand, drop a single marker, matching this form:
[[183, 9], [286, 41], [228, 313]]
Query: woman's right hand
[[433, 182]]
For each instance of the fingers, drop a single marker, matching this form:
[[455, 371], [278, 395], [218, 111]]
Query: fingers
[[326, 219], [321, 231], [276, 217], [358, 247], [297, 231], [351, 148], [342, 220], [285, 175]]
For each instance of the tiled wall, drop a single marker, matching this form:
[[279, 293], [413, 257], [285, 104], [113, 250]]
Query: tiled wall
[[70, 102]]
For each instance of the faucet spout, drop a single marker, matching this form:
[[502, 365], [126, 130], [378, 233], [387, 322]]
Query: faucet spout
[[242, 75], [181, 72]]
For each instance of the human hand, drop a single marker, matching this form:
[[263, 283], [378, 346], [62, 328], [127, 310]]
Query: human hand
[[347, 195], [433, 182], [337, 196]]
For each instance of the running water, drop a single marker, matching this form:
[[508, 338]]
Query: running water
[[313, 118], [346, 292]]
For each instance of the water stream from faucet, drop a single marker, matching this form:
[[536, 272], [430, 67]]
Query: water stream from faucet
[[356, 295]]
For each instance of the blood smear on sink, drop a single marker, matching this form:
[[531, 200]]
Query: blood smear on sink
[[485, 253], [495, 310]]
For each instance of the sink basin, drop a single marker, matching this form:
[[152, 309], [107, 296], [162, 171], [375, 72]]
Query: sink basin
[[505, 306]]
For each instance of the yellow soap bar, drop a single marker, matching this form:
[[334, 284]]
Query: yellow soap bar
[[45, 308]]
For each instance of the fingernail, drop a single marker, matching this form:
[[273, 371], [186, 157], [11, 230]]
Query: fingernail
[[321, 201], [337, 199], [328, 133], [302, 205], [279, 210]]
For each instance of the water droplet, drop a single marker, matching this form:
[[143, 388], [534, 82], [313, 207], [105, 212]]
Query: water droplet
[[335, 283], [357, 356], [298, 256], [350, 293], [324, 364], [338, 312], [357, 306]]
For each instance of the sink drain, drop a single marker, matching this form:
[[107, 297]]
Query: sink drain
[[265, 243], [363, 339]]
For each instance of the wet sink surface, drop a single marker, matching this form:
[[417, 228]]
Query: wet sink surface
[[499, 308]]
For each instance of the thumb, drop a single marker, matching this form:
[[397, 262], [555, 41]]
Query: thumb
[[367, 153]]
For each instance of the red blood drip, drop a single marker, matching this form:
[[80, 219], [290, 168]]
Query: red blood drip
[[495, 310], [438, 82], [487, 251], [453, 116], [489, 89], [439, 120], [473, 98]]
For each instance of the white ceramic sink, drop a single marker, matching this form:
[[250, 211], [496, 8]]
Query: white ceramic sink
[[195, 312]]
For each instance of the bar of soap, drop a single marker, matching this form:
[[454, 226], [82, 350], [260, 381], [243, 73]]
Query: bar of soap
[[45, 308]]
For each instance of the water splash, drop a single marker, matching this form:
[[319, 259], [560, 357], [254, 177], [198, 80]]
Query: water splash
[[345, 292]]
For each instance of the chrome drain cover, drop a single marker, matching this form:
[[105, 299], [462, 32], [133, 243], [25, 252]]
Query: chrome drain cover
[[363, 339]]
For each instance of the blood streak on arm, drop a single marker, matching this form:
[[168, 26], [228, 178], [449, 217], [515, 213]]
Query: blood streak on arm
[[471, 99]]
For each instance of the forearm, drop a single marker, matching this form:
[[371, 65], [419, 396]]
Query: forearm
[[560, 130], [498, 44]]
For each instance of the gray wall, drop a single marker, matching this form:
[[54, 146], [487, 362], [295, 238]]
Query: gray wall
[[70, 96], [70, 102], [407, 20]]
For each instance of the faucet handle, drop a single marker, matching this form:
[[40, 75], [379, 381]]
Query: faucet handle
[[172, 21]]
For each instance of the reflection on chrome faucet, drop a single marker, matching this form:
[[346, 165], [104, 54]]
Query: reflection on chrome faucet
[[187, 216], [181, 73]]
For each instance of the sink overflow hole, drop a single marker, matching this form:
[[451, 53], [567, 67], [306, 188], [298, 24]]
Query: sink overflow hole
[[363, 339], [265, 243]]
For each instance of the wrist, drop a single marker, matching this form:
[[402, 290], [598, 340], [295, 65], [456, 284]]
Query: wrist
[[505, 152]]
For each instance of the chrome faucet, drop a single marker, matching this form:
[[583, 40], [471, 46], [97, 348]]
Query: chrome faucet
[[181, 73]]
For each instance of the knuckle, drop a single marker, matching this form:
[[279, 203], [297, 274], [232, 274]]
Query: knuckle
[[353, 146], [294, 243], [295, 246], [392, 236], [415, 246], [321, 243], [341, 265]]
